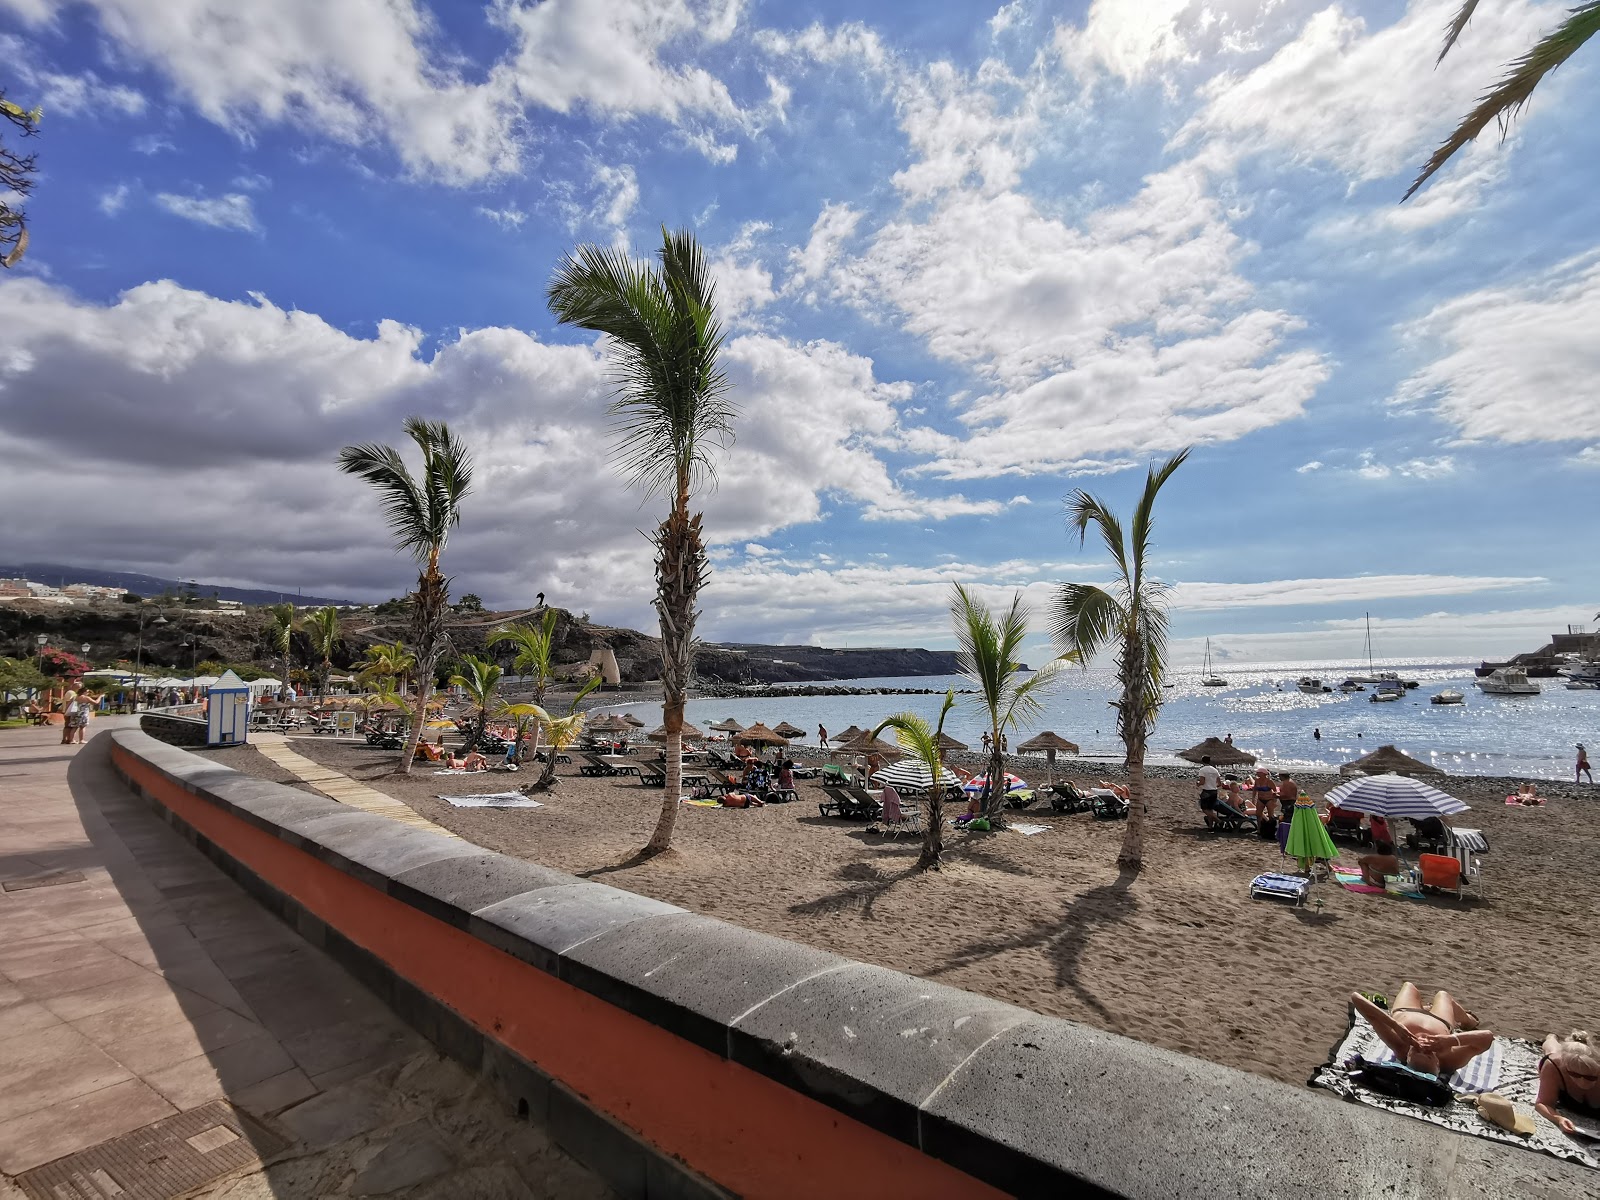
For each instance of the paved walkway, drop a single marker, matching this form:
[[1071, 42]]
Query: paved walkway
[[338, 786], [137, 983]]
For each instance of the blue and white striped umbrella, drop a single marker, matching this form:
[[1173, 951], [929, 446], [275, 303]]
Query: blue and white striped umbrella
[[1394, 796], [909, 775]]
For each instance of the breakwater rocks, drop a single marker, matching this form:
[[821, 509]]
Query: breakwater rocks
[[733, 691]]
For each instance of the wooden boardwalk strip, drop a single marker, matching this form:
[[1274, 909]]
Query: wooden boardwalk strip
[[338, 786]]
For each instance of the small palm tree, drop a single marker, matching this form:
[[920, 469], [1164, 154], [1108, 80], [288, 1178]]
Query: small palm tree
[[533, 649], [562, 731], [388, 660], [672, 413], [322, 627], [280, 636], [990, 655], [1503, 101], [478, 678], [1133, 617], [422, 512], [921, 742]]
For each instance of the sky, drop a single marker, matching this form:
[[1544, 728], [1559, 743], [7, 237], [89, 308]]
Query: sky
[[969, 258]]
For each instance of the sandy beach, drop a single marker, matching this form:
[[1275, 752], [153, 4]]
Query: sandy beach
[[1177, 955]]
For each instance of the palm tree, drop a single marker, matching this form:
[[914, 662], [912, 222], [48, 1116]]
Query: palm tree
[[421, 513], [990, 655], [322, 627], [1503, 101], [563, 731], [1133, 616], [478, 678], [280, 636], [921, 742], [532, 654], [388, 660], [672, 413]]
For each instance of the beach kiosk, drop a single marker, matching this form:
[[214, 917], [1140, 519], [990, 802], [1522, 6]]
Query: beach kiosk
[[228, 713]]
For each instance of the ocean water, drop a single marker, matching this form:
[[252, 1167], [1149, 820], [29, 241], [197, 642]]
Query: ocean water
[[1488, 735]]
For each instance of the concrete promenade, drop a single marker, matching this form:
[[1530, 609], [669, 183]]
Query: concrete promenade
[[144, 993]]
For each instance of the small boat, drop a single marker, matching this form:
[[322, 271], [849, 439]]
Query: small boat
[[1387, 691], [1352, 685], [1583, 685], [1311, 685], [1508, 681], [1448, 696], [1211, 678]]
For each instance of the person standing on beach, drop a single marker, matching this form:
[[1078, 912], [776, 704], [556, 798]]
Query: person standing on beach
[[987, 744], [822, 737], [1210, 782], [1582, 767]]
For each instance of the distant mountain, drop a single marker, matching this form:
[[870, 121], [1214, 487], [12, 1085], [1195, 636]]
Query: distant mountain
[[58, 574]]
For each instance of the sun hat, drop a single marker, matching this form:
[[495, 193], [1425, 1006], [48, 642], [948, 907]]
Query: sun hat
[[1496, 1109]]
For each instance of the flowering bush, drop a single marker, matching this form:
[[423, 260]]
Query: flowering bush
[[61, 664]]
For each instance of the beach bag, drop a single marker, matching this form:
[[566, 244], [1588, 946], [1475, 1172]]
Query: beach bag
[[1402, 1082]]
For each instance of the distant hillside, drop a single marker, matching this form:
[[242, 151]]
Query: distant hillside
[[747, 663], [58, 574]]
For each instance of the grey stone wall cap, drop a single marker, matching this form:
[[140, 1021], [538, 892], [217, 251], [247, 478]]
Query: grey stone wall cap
[[172, 760], [269, 804], [871, 1042], [691, 974], [454, 889], [540, 926]]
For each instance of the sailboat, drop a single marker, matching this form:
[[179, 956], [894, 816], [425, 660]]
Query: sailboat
[[1211, 678], [1389, 687]]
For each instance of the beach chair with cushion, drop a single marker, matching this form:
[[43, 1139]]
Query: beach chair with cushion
[[1227, 819], [1342, 823], [900, 817], [1271, 886], [430, 751], [851, 804], [1440, 872], [1430, 834], [1108, 806], [1066, 798], [1019, 797]]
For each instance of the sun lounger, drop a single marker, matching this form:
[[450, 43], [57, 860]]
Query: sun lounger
[[1342, 823], [851, 804], [1108, 806], [1271, 886], [1227, 819], [593, 765], [1066, 798], [651, 776]]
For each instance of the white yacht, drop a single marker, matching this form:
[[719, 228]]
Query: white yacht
[[1387, 691], [1310, 685], [1508, 681], [1211, 678], [1448, 696]]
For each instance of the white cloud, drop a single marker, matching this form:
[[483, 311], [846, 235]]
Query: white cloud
[[509, 217], [619, 194], [112, 201], [1307, 468], [744, 285], [1369, 467], [1514, 363], [1006, 16], [1589, 456], [66, 95], [1358, 589], [152, 144], [834, 226], [251, 182], [232, 211]]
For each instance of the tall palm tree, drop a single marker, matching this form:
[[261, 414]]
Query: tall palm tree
[[672, 412], [388, 660], [1132, 615], [280, 636], [479, 679], [533, 649], [921, 742], [322, 627], [422, 512], [990, 652], [1503, 101]]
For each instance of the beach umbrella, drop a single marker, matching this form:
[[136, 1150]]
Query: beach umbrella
[[784, 729], [910, 775], [689, 733], [1219, 752], [726, 725], [978, 782], [1048, 743], [1386, 760], [1394, 797], [633, 720], [853, 732], [864, 744], [759, 735]]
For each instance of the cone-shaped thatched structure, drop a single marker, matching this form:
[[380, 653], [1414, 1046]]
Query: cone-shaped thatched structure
[[850, 734], [759, 735], [784, 729], [607, 723], [864, 743], [726, 725], [1386, 760], [633, 720], [948, 744], [1048, 744], [1219, 752], [659, 734]]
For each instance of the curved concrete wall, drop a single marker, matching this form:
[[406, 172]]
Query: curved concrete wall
[[680, 1055]]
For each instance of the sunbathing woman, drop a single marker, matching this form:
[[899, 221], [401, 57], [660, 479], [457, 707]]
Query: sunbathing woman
[[1569, 1073], [1440, 1038]]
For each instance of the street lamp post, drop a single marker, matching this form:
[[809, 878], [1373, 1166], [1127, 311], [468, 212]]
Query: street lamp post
[[138, 665], [43, 640]]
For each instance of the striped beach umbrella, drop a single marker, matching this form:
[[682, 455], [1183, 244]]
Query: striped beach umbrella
[[1394, 797], [909, 775]]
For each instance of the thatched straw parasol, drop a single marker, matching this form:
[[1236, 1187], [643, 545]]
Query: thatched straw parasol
[[607, 723], [1386, 760], [864, 743], [726, 725], [1049, 743], [759, 735], [1219, 752], [689, 733], [850, 734], [633, 720], [784, 729], [948, 744]]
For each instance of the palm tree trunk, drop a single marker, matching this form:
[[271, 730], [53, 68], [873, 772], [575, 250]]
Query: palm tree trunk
[[1131, 717], [680, 571], [427, 628], [933, 829], [994, 806]]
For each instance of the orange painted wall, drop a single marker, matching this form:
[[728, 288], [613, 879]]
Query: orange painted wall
[[741, 1129]]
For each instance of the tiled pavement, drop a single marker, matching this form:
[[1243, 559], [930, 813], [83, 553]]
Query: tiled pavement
[[155, 985]]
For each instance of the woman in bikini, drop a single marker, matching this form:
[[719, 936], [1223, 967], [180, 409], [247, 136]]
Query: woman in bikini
[[1569, 1074], [1439, 1038]]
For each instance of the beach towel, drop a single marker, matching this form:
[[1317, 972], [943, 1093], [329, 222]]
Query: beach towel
[[461, 771], [1351, 881], [700, 803], [1510, 1068], [1028, 830], [493, 800]]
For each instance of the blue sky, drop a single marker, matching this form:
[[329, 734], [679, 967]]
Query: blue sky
[[970, 258]]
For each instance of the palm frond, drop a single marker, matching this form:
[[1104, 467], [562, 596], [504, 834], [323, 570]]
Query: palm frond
[[1506, 99], [1457, 24], [1084, 510], [420, 513], [1084, 619], [1143, 513]]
